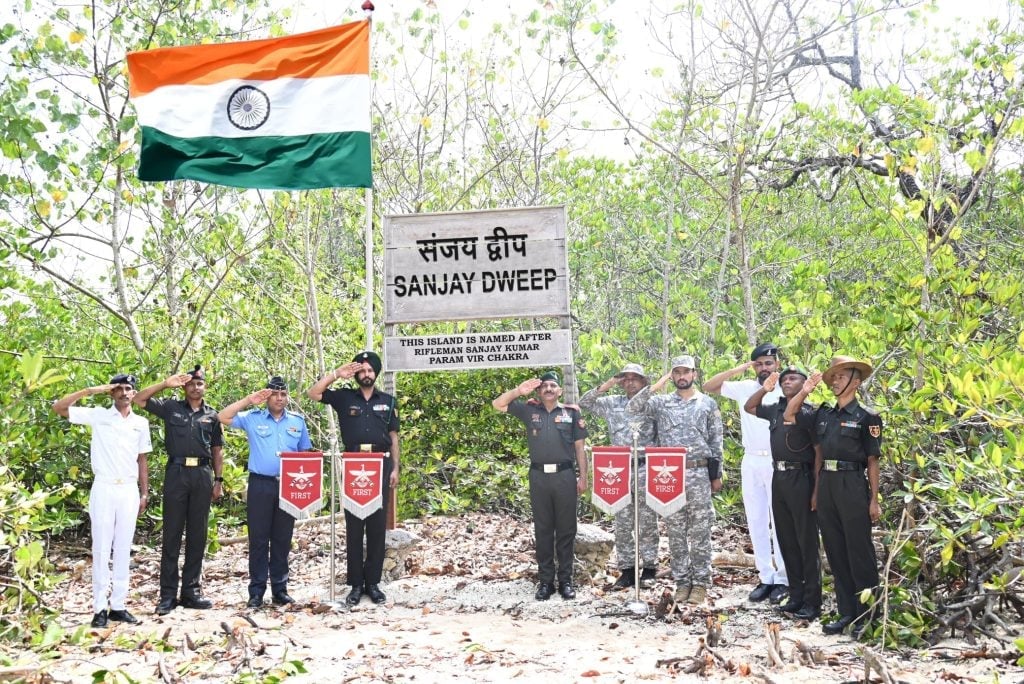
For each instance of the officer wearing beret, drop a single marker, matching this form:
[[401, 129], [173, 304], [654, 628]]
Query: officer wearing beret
[[368, 421], [793, 455], [621, 426], [555, 436], [117, 454], [194, 441], [846, 495], [270, 431], [756, 468]]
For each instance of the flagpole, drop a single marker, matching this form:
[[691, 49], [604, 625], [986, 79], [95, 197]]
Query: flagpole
[[369, 268]]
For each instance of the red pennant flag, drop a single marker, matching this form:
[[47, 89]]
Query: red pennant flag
[[666, 479], [613, 478], [362, 482], [301, 485]]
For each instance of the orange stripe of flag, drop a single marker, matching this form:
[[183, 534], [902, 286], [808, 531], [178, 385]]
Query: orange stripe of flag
[[333, 51]]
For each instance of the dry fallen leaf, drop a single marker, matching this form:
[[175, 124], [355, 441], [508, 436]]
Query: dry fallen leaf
[[590, 673]]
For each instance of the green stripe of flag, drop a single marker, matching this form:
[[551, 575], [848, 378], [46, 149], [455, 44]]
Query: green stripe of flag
[[301, 162]]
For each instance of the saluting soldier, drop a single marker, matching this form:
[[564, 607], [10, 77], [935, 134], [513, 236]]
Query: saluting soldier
[[691, 419], [793, 453], [194, 441], [368, 421], [621, 426], [850, 440], [555, 435], [270, 431]]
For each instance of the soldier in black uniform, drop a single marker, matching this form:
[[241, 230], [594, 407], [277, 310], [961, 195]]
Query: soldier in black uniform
[[368, 421], [850, 439], [793, 454], [194, 441], [555, 434]]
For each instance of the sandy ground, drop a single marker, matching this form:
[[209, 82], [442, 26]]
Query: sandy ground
[[466, 613]]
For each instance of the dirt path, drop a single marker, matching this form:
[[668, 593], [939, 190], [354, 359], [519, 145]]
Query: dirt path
[[467, 614]]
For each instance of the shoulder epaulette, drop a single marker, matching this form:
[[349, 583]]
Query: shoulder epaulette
[[573, 406]]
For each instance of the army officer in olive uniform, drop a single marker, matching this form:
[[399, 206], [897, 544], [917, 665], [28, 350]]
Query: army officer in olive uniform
[[555, 434]]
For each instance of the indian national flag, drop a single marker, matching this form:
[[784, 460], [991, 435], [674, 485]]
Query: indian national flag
[[288, 113]]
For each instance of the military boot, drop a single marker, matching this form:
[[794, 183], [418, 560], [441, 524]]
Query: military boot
[[682, 592], [698, 595], [626, 579]]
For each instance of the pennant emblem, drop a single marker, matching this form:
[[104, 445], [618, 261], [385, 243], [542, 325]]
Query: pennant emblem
[[666, 479], [362, 482], [300, 491], [613, 478]]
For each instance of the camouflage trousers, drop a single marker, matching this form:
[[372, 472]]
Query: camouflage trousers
[[624, 549], [689, 531]]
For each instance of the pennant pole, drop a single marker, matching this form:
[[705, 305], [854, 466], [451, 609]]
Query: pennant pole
[[636, 606]]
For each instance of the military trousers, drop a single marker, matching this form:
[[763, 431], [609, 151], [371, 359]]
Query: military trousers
[[367, 567], [845, 523], [553, 499], [689, 531], [625, 549], [797, 529], [187, 494], [270, 536]]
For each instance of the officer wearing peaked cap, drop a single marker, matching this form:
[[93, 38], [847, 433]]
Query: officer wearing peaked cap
[[555, 436], [117, 454], [756, 467], [849, 440], [270, 431], [194, 441], [368, 421], [621, 426]]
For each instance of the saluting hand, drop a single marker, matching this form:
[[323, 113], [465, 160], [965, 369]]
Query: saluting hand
[[260, 396], [349, 370], [771, 381], [179, 380], [528, 386], [102, 389], [811, 382]]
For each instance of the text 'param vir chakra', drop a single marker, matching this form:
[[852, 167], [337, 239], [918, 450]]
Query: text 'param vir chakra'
[[248, 108]]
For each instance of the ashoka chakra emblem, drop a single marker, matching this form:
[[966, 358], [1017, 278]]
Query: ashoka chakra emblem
[[248, 108]]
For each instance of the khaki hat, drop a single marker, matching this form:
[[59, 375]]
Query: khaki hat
[[842, 363], [685, 361], [635, 369]]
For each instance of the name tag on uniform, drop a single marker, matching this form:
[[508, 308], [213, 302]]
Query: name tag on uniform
[[550, 467]]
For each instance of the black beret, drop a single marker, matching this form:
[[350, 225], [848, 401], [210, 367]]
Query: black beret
[[277, 383], [370, 358], [197, 373], [766, 349]]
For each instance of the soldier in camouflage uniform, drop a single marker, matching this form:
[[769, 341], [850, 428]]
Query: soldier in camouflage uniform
[[621, 426], [690, 419]]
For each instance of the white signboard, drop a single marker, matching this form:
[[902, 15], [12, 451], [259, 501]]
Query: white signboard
[[508, 263], [478, 350]]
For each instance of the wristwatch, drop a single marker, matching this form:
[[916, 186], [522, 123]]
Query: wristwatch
[[218, 479]]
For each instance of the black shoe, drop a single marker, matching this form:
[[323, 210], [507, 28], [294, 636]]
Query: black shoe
[[254, 602], [626, 579], [281, 598], [779, 592], [544, 591], [791, 606], [837, 627], [354, 596], [566, 590], [99, 619], [195, 602], [856, 629], [760, 593], [123, 616], [807, 613], [648, 574], [166, 605], [375, 594]]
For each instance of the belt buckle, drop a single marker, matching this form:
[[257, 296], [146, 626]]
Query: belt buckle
[[832, 466], [192, 461], [550, 467], [118, 480]]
